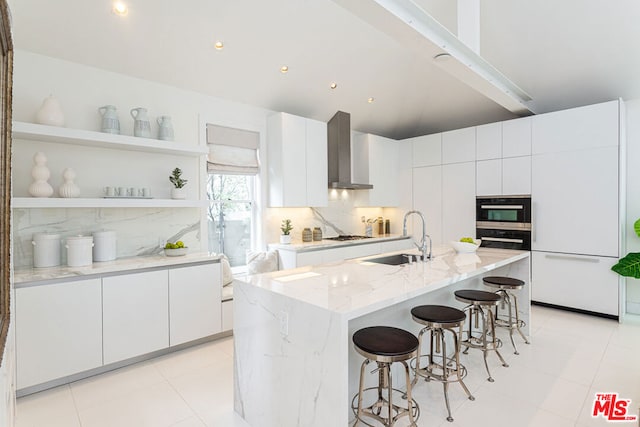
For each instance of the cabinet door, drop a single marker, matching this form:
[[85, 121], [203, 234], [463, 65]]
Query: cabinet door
[[135, 314], [316, 164], [489, 141], [489, 178], [58, 330], [194, 302], [516, 176], [227, 315], [576, 129], [458, 201], [427, 198], [427, 150], [516, 137], [575, 202], [575, 281], [286, 150], [459, 146], [382, 161]]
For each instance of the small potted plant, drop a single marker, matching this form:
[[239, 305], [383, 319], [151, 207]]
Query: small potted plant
[[178, 192], [286, 227]]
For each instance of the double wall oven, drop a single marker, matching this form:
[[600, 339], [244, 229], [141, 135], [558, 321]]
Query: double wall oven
[[504, 222]]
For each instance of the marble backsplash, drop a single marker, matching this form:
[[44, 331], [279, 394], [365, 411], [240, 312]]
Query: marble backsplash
[[139, 231]]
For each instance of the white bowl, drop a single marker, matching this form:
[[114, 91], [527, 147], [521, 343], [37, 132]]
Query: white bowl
[[176, 252], [465, 248]]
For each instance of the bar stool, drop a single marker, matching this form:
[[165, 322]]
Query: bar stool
[[478, 302], [440, 367], [504, 285], [385, 345]]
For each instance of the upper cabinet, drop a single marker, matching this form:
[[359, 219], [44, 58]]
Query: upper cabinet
[[459, 146], [297, 155], [376, 161], [576, 129], [516, 137], [489, 141], [426, 150]]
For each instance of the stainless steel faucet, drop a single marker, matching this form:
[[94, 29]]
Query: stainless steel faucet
[[426, 255]]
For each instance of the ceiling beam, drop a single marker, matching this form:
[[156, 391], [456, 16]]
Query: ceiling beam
[[414, 28]]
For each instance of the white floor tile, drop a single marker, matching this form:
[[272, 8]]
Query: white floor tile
[[53, 407], [190, 422]]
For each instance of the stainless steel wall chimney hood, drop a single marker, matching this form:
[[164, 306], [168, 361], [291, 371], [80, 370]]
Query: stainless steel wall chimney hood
[[339, 153]]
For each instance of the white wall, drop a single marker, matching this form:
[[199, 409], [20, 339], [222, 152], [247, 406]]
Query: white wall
[[633, 196]]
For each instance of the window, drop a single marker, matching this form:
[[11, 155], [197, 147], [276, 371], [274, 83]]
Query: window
[[230, 214]]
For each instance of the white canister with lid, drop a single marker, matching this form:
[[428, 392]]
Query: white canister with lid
[[46, 250], [104, 245], [79, 251]]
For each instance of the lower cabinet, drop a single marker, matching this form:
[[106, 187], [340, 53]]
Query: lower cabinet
[[575, 281], [135, 314], [58, 330], [227, 315], [194, 311]]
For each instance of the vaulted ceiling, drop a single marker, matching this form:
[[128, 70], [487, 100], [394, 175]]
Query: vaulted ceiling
[[562, 53]]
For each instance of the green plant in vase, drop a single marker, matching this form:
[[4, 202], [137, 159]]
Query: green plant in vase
[[286, 227], [178, 192]]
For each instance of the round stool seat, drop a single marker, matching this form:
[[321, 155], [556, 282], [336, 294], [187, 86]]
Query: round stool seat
[[385, 341], [503, 282], [437, 314], [473, 296]]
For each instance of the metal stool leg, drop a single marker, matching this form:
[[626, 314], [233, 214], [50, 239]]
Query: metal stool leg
[[494, 342], [409, 399], [515, 302], [456, 343], [360, 391]]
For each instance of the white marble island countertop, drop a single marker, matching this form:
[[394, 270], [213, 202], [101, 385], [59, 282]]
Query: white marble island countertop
[[26, 276], [357, 287]]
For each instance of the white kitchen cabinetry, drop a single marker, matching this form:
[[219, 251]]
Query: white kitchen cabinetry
[[135, 314], [575, 281], [489, 141], [576, 129], [516, 138], [458, 201], [376, 162], [459, 146], [511, 176], [426, 150], [575, 202], [427, 198], [227, 315], [297, 154], [58, 330], [194, 302]]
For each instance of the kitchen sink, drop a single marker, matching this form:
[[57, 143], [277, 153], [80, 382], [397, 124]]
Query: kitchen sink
[[397, 259]]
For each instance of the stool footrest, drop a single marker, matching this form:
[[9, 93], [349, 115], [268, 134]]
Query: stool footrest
[[435, 371], [380, 407]]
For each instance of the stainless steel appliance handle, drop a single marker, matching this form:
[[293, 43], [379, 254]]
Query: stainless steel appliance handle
[[500, 239], [501, 206], [572, 258]]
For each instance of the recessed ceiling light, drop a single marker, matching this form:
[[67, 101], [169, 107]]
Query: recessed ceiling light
[[284, 69], [219, 45], [333, 85], [120, 8], [442, 57], [370, 100]]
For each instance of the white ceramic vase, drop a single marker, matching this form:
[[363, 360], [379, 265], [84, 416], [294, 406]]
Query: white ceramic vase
[[50, 113], [69, 189], [40, 173], [178, 193], [285, 239]]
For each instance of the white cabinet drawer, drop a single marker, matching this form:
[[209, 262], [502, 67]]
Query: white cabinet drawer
[[575, 281]]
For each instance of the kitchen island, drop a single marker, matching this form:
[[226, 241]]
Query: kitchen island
[[294, 361]]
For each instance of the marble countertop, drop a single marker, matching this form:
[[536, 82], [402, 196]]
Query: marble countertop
[[24, 276], [328, 244], [357, 287]]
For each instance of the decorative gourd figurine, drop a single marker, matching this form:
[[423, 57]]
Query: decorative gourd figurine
[[50, 113], [69, 188], [40, 173]]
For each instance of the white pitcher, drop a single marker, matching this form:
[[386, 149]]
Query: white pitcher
[[110, 122], [165, 132], [141, 125]]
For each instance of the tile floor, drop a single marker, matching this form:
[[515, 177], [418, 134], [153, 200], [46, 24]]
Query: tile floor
[[551, 383]]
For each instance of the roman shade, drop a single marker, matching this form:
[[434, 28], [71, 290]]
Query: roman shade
[[232, 151]]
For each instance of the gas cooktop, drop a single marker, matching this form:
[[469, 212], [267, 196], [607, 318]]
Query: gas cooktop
[[344, 237]]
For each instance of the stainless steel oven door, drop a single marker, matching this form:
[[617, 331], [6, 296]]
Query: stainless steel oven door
[[503, 209], [505, 239]]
